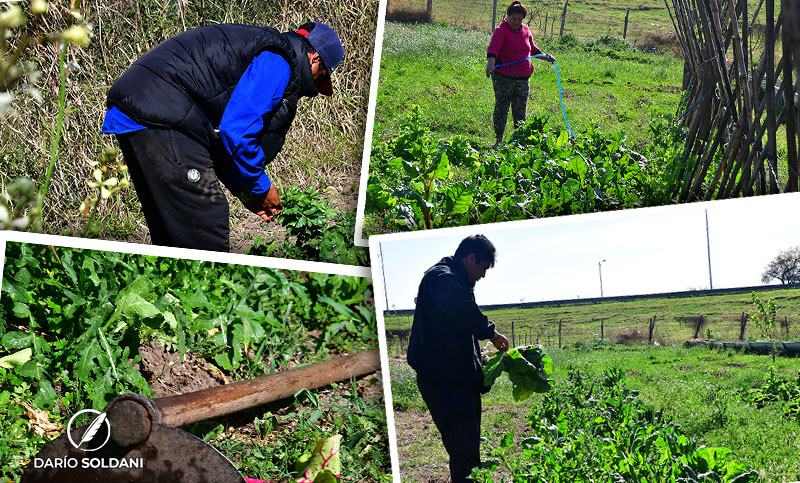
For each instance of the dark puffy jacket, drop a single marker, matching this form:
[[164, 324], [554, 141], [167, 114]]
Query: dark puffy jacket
[[185, 82], [447, 326]]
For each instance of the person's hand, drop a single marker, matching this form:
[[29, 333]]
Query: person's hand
[[549, 58], [489, 70], [500, 342], [266, 205]]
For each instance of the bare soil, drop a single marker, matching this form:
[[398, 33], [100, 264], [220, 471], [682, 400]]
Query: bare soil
[[168, 375]]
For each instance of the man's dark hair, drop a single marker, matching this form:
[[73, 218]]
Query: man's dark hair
[[308, 27], [479, 245]]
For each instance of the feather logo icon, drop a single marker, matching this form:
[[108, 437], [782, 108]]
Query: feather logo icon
[[86, 441]]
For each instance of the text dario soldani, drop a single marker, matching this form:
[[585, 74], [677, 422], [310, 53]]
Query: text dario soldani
[[93, 438]]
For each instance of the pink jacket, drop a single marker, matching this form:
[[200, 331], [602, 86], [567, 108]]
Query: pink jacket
[[508, 45]]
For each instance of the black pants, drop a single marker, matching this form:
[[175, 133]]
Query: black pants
[[456, 411], [181, 196]]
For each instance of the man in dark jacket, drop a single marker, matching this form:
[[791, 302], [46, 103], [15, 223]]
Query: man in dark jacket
[[214, 104], [444, 349]]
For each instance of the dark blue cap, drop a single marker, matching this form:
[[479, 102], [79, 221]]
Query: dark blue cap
[[327, 43]]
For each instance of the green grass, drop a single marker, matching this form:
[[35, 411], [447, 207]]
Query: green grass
[[701, 389], [621, 318], [442, 69]]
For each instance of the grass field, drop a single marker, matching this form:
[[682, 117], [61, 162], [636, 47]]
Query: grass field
[[622, 319], [649, 24]]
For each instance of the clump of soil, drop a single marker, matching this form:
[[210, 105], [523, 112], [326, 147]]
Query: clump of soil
[[168, 375], [632, 337]]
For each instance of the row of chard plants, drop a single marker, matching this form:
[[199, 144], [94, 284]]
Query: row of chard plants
[[595, 429], [417, 181]]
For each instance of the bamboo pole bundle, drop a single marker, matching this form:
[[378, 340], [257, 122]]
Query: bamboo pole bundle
[[730, 104]]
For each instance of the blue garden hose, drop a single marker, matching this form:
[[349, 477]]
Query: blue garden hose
[[560, 91]]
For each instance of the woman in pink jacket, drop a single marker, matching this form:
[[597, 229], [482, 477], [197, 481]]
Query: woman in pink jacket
[[511, 43]]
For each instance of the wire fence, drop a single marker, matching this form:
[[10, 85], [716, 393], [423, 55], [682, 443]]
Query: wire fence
[[643, 330], [586, 20]]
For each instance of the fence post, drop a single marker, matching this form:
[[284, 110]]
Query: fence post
[[602, 336], [559, 333], [625, 31], [512, 334], [430, 10], [742, 325], [563, 18], [652, 328], [494, 17], [545, 24]]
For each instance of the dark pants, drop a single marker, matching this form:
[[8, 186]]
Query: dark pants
[[508, 91], [456, 411], [181, 197]]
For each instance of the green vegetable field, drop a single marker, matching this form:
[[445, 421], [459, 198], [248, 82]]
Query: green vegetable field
[[432, 163], [79, 327], [620, 409]]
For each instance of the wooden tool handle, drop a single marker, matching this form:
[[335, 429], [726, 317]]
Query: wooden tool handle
[[227, 399]]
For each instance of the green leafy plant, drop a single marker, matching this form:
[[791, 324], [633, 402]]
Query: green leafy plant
[[777, 390], [596, 429], [527, 367], [321, 464], [313, 231], [764, 316], [423, 169]]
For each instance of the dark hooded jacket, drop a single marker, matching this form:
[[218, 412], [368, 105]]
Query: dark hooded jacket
[[447, 326], [185, 82]]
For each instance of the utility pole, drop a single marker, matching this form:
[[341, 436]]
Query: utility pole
[[708, 248], [600, 272]]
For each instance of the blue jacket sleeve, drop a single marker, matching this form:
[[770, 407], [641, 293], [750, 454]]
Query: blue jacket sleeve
[[258, 92]]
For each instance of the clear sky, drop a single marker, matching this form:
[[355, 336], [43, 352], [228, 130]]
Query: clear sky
[[647, 250]]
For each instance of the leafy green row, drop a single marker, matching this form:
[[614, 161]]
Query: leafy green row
[[590, 430], [427, 183]]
